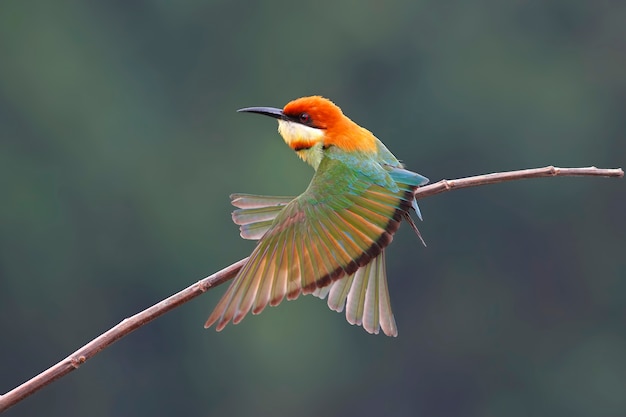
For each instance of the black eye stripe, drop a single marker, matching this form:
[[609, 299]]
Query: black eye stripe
[[304, 118]]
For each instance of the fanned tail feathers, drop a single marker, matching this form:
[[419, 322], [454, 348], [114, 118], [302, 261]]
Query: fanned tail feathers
[[365, 297]]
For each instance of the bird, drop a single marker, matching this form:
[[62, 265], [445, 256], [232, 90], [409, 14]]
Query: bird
[[330, 240]]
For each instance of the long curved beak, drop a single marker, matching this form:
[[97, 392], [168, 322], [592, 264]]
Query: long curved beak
[[267, 111]]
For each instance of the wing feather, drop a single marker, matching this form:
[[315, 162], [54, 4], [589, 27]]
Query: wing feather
[[323, 254], [279, 285], [251, 201], [264, 293], [256, 213], [247, 289], [255, 231], [308, 269], [352, 244], [334, 240]]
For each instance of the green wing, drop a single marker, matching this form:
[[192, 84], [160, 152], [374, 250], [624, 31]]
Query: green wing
[[365, 291], [337, 226]]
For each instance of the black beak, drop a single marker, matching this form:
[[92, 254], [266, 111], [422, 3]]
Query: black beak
[[267, 111]]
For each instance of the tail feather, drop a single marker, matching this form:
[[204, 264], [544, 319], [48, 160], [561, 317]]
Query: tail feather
[[365, 297]]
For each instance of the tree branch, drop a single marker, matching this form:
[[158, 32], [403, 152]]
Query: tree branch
[[130, 324]]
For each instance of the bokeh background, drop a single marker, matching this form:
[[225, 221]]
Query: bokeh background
[[119, 146]]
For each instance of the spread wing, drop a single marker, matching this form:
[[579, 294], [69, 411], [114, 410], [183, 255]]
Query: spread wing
[[365, 291], [337, 226]]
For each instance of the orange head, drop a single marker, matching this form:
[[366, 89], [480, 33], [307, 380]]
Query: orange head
[[310, 125]]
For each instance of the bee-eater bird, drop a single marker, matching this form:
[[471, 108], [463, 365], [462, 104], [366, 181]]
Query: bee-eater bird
[[330, 240]]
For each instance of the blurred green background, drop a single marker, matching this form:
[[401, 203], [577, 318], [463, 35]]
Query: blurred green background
[[119, 146]]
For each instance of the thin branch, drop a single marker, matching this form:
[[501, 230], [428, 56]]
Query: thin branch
[[549, 171], [130, 324]]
